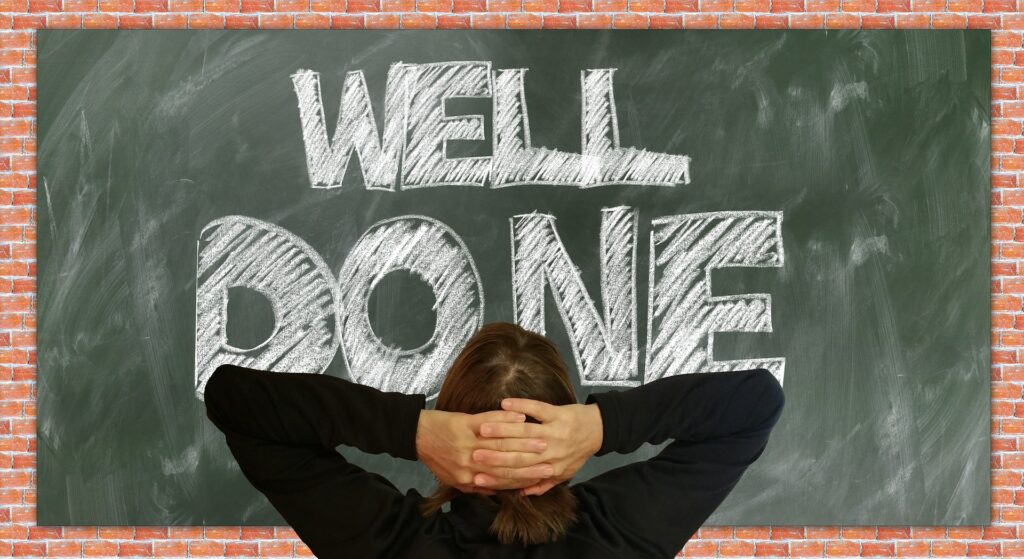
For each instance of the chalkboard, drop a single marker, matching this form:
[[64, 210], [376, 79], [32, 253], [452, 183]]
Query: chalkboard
[[658, 203]]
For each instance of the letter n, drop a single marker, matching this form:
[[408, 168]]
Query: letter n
[[605, 348]]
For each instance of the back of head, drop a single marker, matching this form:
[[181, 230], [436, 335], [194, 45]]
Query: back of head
[[503, 360]]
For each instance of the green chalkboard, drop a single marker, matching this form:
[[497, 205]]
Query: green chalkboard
[[658, 203]]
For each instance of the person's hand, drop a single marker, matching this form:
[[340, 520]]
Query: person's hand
[[445, 442], [573, 432]]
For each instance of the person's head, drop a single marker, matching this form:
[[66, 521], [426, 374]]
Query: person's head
[[504, 360]]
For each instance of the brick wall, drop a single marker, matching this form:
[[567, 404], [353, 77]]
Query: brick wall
[[19, 19]]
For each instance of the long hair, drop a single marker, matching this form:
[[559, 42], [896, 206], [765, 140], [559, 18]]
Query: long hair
[[504, 360]]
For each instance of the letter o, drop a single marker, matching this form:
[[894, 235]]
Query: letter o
[[431, 250]]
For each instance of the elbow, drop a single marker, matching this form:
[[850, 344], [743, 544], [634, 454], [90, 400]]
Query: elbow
[[215, 390], [771, 398]]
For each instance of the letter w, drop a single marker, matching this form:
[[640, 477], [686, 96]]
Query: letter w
[[356, 129]]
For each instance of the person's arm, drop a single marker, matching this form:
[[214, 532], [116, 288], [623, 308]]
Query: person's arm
[[719, 423], [282, 429], [313, 409]]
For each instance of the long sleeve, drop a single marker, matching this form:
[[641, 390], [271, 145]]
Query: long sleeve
[[282, 429], [308, 409], [719, 423]]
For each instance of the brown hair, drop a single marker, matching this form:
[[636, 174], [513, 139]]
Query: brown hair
[[504, 360]]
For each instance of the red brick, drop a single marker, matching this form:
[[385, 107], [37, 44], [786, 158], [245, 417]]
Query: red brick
[[842, 21], [787, 6], [1013, 21], [115, 5], [647, 5], [998, 5], [151, 5], [171, 21], [859, 6], [806, 21], [559, 21], [573, 6], [716, 5], [99, 21], [912, 549], [222, 5], [665, 21], [595, 21], [453, 21], [949, 21], [964, 5], [487, 21], [878, 549], [630, 21], [277, 21], [736, 21], [250, 6], [504, 5], [698, 548], [1006, 39], [525, 21], [912, 21], [44, 6], [335, 5], [26, 21], [735, 549], [822, 5], [14, 6], [419, 21], [206, 21], [877, 22], [776, 21], [435, 6], [975, 549], [765, 549], [359, 6], [312, 21]]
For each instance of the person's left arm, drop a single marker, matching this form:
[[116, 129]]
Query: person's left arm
[[282, 429]]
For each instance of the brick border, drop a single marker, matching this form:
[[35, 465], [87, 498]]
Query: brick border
[[20, 18]]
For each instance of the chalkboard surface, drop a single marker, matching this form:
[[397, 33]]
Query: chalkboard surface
[[658, 203]]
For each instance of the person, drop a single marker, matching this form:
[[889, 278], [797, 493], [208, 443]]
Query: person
[[504, 440]]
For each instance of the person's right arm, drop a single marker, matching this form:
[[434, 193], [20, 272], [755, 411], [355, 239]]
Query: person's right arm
[[719, 423]]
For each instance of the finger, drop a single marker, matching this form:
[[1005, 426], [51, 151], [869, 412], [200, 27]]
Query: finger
[[540, 488], [520, 430], [487, 457], [483, 479], [513, 444], [497, 416], [542, 471], [469, 488], [533, 408]]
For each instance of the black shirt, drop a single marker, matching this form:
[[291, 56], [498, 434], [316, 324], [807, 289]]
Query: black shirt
[[283, 430]]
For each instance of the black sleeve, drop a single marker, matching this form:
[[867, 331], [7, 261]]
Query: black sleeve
[[719, 423], [282, 429]]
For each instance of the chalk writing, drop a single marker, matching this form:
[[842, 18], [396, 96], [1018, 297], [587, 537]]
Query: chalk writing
[[417, 132]]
